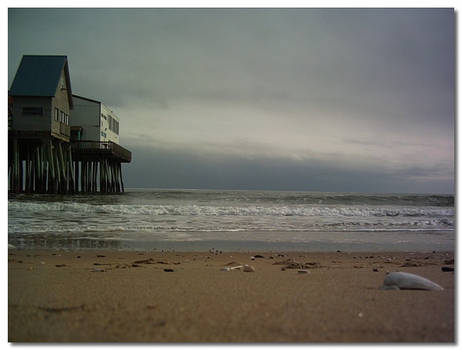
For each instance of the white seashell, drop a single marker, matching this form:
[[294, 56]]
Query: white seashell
[[231, 268], [405, 280]]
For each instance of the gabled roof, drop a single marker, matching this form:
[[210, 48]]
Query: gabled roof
[[39, 76]]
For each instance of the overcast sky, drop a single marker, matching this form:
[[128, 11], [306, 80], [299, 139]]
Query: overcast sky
[[288, 99]]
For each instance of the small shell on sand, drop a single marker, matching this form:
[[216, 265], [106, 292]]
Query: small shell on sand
[[405, 280], [98, 269], [232, 268]]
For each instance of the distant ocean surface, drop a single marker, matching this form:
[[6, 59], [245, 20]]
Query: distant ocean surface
[[145, 219]]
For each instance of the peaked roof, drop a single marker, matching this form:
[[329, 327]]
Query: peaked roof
[[39, 76]]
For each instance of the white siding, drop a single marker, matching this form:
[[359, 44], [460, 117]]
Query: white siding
[[110, 135]]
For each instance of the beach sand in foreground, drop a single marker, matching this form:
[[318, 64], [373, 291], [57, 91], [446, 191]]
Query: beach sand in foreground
[[122, 296]]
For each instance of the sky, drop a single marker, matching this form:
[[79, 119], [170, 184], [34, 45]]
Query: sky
[[339, 100]]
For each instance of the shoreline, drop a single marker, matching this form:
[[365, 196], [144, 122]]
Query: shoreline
[[153, 296], [309, 241]]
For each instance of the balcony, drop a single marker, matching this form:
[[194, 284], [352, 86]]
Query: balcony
[[95, 149]]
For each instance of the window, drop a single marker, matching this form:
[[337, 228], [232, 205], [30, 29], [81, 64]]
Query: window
[[63, 116], [103, 134], [103, 116], [113, 125], [32, 111], [57, 114]]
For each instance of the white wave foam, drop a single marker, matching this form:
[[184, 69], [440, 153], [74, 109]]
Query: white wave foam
[[196, 210]]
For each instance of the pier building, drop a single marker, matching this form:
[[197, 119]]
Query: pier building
[[52, 145]]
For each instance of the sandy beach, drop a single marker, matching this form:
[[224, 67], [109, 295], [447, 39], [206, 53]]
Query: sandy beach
[[126, 296]]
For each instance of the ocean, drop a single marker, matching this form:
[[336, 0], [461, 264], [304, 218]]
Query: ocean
[[188, 220]]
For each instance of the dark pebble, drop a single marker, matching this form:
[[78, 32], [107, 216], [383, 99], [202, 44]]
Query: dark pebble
[[60, 265], [168, 270], [101, 256], [375, 270], [447, 269], [78, 256]]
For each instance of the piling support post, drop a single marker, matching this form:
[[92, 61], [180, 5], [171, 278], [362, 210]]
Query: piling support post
[[14, 184], [77, 176], [71, 169], [121, 178]]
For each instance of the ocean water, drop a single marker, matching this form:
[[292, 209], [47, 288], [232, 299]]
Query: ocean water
[[145, 219]]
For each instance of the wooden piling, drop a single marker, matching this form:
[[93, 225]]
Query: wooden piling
[[121, 178], [44, 164]]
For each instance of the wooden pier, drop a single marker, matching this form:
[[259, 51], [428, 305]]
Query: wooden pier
[[41, 163]]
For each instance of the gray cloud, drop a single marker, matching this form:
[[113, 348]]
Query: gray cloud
[[368, 87], [174, 169]]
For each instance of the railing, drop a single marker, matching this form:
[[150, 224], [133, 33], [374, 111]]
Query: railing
[[109, 146]]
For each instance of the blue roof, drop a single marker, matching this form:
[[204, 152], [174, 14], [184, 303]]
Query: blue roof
[[39, 76]]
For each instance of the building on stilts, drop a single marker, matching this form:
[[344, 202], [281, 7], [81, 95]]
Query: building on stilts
[[48, 151]]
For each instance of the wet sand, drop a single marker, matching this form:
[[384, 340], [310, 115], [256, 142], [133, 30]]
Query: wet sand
[[121, 296]]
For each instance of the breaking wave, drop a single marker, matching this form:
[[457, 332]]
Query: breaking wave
[[198, 210]]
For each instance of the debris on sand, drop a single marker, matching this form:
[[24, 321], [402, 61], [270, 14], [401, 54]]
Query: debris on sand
[[447, 269], [146, 261], [248, 268], [411, 264], [98, 269], [62, 309], [230, 268], [292, 264]]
